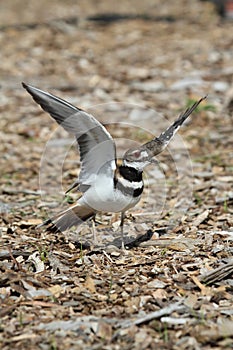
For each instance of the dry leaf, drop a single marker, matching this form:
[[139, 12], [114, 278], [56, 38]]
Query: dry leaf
[[56, 290], [104, 330], [90, 284]]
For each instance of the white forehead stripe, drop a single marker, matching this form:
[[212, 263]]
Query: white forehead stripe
[[139, 165], [144, 153]]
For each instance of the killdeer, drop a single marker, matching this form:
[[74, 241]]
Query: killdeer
[[106, 186]]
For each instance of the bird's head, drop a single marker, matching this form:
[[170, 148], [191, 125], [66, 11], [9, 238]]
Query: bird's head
[[138, 158]]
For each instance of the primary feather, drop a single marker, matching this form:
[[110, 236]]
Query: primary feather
[[96, 145]]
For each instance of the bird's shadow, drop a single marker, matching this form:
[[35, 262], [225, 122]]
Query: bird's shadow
[[129, 244]]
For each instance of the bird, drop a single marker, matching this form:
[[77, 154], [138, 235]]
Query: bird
[[106, 185]]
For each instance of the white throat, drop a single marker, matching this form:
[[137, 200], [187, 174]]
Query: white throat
[[137, 165]]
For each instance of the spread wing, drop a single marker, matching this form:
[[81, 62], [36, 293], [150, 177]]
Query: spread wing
[[96, 146]]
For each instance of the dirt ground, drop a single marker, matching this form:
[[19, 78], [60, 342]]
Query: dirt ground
[[135, 66]]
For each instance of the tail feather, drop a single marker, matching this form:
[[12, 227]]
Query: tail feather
[[73, 216]]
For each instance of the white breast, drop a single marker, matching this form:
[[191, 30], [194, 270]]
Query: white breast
[[103, 197]]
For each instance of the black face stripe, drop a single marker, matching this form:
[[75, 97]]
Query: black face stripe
[[131, 174], [127, 190]]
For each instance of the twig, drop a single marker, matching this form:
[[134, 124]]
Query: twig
[[218, 274], [108, 256], [153, 315], [14, 191], [6, 254], [15, 262], [180, 244]]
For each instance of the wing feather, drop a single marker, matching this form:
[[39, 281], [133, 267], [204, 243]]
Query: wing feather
[[95, 144], [158, 144]]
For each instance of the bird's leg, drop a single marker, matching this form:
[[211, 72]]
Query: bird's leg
[[93, 230], [122, 231]]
